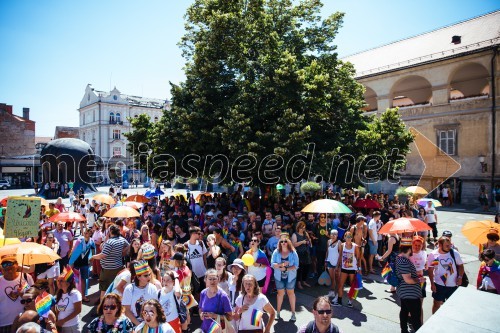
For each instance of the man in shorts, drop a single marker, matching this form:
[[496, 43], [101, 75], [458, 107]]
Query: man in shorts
[[445, 273]]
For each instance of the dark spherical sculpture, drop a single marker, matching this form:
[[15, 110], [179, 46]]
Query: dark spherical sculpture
[[68, 159]]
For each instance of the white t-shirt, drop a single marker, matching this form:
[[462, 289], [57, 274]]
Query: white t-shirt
[[164, 328], [372, 229], [430, 212], [91, 218], [258, 272], [195, 254], [380, 224], [445, 270], [419, 260], [333, 253], [167, 302], [66, 306], [10, 299], [246, 316], [123, 276], [135, 297], [97, 236]]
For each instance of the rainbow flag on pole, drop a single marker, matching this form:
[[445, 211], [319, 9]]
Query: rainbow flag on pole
[[387, 269], [69, 275], [256, 317]]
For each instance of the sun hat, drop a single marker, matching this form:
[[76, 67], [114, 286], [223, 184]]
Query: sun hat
[[237, 263]]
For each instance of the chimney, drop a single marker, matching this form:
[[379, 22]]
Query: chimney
[[26, 113]]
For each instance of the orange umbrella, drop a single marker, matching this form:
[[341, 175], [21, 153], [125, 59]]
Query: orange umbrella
[[68, 217], [133, 204], [200, 195], [404, 224], [122, 211], [138, 198], [476, 231], [30, 253], [104, 198]]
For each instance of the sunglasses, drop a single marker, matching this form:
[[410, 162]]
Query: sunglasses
[[109, 307], [321, 312], [348, 236], [254, 241], [6, 264], [283, 242], [26, 301]]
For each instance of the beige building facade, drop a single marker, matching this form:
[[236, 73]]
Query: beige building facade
[[446, 85]]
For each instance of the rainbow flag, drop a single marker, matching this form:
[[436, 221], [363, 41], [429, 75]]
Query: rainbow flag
[[256, 317], [434, 263], [214, 327], [69, 275], [359, 281], [387, 269], [353, 293], [43, 303], [225, 232], [444, 278], [159, 240]]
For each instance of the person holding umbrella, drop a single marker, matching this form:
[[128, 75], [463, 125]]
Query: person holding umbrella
[[14, 286]]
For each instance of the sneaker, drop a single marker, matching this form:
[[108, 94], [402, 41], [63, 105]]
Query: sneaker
[[336, 303], [331, 293], [349, 304], [278, 315], [293, 317]]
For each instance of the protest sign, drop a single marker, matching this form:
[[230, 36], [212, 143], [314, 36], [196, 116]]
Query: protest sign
[[22, 217]]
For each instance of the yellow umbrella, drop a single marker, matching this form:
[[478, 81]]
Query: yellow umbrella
[[122, 211], [179, 195], [416, 190], [476, 231], [104, 198], [8, 241], [29, 253]]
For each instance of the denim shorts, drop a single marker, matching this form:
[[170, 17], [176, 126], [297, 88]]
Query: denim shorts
[[285, 284], [328, 265], [373, 247]]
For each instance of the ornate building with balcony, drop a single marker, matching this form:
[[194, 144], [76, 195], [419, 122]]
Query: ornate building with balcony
[[103, 120], [446, 85]]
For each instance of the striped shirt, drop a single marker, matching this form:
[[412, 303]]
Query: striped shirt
[[405, 290], [113, 249]]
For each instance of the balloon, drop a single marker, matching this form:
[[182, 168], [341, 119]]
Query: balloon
[[248, 259]]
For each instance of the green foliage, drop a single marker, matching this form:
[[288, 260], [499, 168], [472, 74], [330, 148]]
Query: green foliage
[[401, 191], [310, 187], [263, 79], [140, 139]]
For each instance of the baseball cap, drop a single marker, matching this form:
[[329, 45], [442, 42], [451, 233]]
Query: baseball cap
[[8, 257]]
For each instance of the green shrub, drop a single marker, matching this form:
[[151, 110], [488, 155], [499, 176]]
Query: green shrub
[[310, 187]]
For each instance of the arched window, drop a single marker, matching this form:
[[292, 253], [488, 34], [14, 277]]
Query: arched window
[[118, 117], [156, 119], [112, 117]]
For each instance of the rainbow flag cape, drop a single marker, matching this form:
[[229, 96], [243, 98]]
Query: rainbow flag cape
[[261, 257], [43, 303], [256, 317], [387, 269], [214, 327]]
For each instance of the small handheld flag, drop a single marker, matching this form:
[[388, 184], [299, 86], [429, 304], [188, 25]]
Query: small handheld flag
[[256, 317], [214, 327], [69, 275], [387, 269]]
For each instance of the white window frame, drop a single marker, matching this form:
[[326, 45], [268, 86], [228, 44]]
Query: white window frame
[[447, 140], [117, 134], [117, 151]]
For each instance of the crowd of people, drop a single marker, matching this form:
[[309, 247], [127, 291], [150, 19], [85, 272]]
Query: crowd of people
[[219, 258]]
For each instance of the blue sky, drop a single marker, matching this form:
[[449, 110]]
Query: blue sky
[[51, 49]]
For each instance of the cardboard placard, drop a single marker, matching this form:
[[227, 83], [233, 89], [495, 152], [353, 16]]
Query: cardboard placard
[[22, 218]]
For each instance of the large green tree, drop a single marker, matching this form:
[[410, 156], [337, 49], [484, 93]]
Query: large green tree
[[264, 90]]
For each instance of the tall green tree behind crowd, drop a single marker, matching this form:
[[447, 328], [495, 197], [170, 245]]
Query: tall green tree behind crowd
[[263, 80]]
